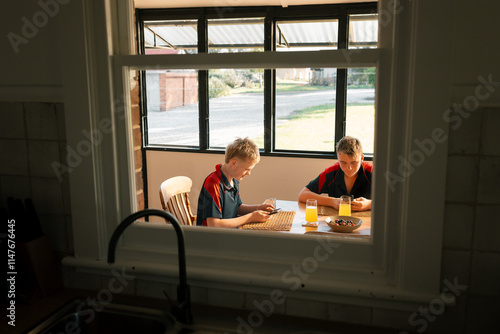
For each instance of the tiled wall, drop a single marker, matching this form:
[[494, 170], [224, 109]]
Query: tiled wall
[[471, 251], [32, 137]]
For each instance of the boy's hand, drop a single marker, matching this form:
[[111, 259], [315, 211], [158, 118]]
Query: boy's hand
[[265, 207], [361, 204], [260, 216], [335, 203]]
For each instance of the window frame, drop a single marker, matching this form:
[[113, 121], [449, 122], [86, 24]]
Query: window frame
[[271, 14]]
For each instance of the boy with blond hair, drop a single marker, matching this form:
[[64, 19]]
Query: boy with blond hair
[[349, 176], [219, 203]]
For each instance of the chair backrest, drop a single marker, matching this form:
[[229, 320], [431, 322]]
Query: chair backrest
[[174, 196]]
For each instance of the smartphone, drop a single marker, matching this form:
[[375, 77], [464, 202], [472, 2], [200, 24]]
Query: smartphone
[[275, 211]]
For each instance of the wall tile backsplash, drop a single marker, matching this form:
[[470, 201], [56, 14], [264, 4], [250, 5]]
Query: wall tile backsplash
[[31, 137], [471, 229]]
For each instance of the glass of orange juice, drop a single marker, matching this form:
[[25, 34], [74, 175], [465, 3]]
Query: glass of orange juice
[[345, 205], [311, 211]]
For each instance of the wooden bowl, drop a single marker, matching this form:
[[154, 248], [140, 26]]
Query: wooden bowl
[[343, 229]]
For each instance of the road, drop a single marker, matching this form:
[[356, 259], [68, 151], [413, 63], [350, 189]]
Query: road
[[238, 115]]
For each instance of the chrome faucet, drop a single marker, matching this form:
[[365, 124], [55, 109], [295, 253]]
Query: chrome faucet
[[182, 310]]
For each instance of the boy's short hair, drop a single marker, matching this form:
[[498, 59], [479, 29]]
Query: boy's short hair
[[350, 146], [242, 148]]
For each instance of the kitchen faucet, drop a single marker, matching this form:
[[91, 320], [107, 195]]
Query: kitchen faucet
[[182, 311]]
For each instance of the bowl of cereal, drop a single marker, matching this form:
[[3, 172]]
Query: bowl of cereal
[[343, 224]]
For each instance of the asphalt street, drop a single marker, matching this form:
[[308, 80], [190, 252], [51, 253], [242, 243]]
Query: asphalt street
[[238, 115]]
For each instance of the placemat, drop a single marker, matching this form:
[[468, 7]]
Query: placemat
[[281, 221]]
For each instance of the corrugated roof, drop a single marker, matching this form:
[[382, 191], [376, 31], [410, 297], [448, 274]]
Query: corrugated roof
[[249, 33]]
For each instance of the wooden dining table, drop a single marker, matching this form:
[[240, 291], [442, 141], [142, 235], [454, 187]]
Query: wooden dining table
[[299, 221]]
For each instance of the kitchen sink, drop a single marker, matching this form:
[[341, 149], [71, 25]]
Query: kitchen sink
[[80, 317]]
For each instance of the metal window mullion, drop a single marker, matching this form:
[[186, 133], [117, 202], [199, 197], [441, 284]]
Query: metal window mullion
[[269, 89], [203, 107], [341, 87], [340, 104]]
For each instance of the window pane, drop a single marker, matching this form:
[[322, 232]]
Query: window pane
[[171, 37], [306, 35], [172, 107], [360, 114], [236, 35], [305, 109], [236, 104], [363, 31]]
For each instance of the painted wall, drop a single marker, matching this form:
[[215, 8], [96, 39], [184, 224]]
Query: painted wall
[[282, 178]]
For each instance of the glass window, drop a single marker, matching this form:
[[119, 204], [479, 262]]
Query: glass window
[[306, 35], [305, 109], [171, 37], [360, 108], [172, 107], [363, 31], [284, 110], [236, 35], [236, 104]]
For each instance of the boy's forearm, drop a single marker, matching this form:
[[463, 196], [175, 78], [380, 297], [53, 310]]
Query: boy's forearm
[[306, 194], [229, 222], [244, 209]]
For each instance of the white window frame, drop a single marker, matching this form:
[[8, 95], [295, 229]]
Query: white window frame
[[382, 271]]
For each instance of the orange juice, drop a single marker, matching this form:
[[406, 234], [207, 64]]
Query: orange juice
[[344, 209], [311, 214]]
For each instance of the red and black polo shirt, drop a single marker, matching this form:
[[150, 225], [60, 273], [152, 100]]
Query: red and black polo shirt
[[217, 198], [331, 181]]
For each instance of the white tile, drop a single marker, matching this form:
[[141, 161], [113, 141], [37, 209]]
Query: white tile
[[66, 196], [199, 295], [452, 320], [15, 187], [461, 179], [224, 298], [306, 308], [266, 304], [487, 229], [458, 226], [485, 274], [69, 234], [41, 120], [79, 280], [14, 157], [490, 144], [61, 125], [482, 315], [350, 313], [115, 282], [393, 319], [489, 181], [12, 120], [54, 226], [41, 155], [47, 195], [465, 138], [455, 267], [154, 289]]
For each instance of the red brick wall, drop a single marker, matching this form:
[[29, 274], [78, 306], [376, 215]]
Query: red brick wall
[[137, 140], [177, 90]]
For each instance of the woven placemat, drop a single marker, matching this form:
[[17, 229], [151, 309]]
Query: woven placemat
[[282, 221]]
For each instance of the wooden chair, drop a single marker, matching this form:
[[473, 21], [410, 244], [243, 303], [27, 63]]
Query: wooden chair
[[174, 196]]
